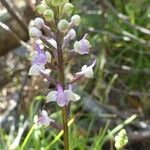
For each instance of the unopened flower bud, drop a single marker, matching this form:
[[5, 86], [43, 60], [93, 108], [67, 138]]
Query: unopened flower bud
[[68, 8], [72, 34], [58, 2], [48, 14], [35, 33], [76, 20], [41, 8], [63, 25], [38, 23], [48, 56]]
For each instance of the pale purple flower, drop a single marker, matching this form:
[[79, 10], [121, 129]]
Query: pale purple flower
[[35, 33], [62, 97], [44, 119], [87, 71], [71, 35], [39, 59], [83, 46]]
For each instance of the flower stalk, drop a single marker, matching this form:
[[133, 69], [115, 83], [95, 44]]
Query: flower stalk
[[56, 34], [62, 82]]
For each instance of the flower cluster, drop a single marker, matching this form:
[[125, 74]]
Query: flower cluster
[[54, 20]]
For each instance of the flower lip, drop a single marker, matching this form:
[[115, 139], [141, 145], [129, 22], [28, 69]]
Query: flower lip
[[59, 88], [62, 97], [40, 59]]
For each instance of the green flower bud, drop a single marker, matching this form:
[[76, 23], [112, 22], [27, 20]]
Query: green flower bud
[[58, 2], [63, 25], [68, 8], [41, 8], [48, 14], [121, 139], [76, 20]]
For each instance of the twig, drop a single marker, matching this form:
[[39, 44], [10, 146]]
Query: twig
[[139, 136], [15, 15], [118, 36], [43, 39], [4, 26], [16, 100], [16, 141]]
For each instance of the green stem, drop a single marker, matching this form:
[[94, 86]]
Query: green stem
[[65, 128]]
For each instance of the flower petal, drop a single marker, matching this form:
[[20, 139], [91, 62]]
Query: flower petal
[[35, 70], [82, 46], [52, 42], [89, 72], [71, 96], [93, 64], [51, 96], [44, 113], [61, 99], [44, 118], [84, 68], [77, 97], [33, 55], [59, 88], [48, 56]]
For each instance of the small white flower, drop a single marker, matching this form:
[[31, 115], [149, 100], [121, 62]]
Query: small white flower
[[87, 71], [44, 119], [48, 56], [35, 33], [35, 70]]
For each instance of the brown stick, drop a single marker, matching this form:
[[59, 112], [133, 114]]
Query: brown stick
[[15, 15]]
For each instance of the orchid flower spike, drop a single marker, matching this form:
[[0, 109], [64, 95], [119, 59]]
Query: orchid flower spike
[[87, 71], [39, 59], [82, 46], [44, 119], [62, 97]]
